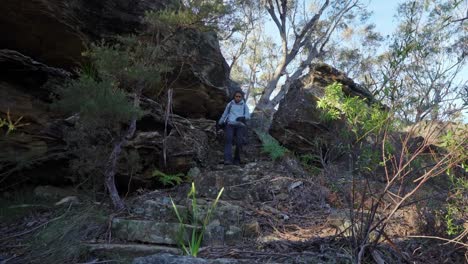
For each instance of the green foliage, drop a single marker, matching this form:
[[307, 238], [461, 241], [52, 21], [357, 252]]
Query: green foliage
[[104, 100], [101, 97], [309, 162], [362, 119], [367, 123], [167, 179], [271, 146], [457, 207], [424, 57], [203, 15], [369, 159], [181, 18], [192, 246], [450, 220], [99, 104], [455, 141]]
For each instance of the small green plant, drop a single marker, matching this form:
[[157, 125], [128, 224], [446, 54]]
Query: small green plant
[[203, 15], [457, 207], [9, 124], [167, 179], [192, 246], [309, 161], [271, 146], [362, 119], [450, 220]]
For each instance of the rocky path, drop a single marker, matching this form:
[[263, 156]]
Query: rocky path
[[270, 212], [266, 207]]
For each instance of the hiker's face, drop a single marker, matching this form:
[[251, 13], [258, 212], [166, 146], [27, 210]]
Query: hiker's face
[[237, 98]]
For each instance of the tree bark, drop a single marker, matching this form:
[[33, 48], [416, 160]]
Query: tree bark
[[110, 168], [278, 13]]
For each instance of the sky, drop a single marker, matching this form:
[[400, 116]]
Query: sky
[[383, 17], [384, 11]]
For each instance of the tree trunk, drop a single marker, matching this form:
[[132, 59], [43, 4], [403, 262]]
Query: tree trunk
[[262, 117], [109, 174], [110, 169]]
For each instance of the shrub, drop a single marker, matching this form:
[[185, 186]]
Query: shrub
[[271, 146], [457, 208], [167, 179], [105, 100], [371, 126]]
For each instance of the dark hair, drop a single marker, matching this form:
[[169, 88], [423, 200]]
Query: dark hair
[[238, 92]]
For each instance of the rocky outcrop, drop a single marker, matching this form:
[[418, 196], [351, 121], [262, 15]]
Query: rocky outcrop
[[25, 101], [297, 124], [42, 45], [56, 32], [171, 259]]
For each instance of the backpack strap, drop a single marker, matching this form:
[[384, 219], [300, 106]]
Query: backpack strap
[[229, 111], [244, 108]]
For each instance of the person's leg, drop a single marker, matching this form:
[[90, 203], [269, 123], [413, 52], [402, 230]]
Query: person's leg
[[240, 134], [229, 130]]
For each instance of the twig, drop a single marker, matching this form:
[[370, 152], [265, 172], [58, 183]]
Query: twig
[[8, 259], [443, 239]]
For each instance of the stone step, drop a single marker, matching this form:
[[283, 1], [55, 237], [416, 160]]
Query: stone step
[[162, 233], [171, 259], [251, 183], [160, 209], [145, 231], [128, 251]]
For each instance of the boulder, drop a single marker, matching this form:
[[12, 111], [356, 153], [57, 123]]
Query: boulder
[[56, 33], [297, 124], [42, 45], [171, 259], [128, 251]]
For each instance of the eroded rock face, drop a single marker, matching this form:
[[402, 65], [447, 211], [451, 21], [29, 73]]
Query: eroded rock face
[[25, 101], [201, 85], [297, 124], [56, 32], [42, 42]]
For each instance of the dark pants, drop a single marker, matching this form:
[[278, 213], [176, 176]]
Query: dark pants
[[234, 135]]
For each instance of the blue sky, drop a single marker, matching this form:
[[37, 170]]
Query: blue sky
[[383, 17], [384, 10]]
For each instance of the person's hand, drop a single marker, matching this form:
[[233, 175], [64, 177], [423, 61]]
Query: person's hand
[[240, 119]]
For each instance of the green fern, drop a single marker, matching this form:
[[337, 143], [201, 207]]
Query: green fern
[[271, 146], [168, 179]]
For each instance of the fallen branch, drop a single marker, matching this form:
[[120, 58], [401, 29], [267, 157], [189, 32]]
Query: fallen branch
[[443, 239]]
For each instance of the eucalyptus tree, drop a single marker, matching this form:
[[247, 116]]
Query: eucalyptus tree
[[422, 73], [304, 30]]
